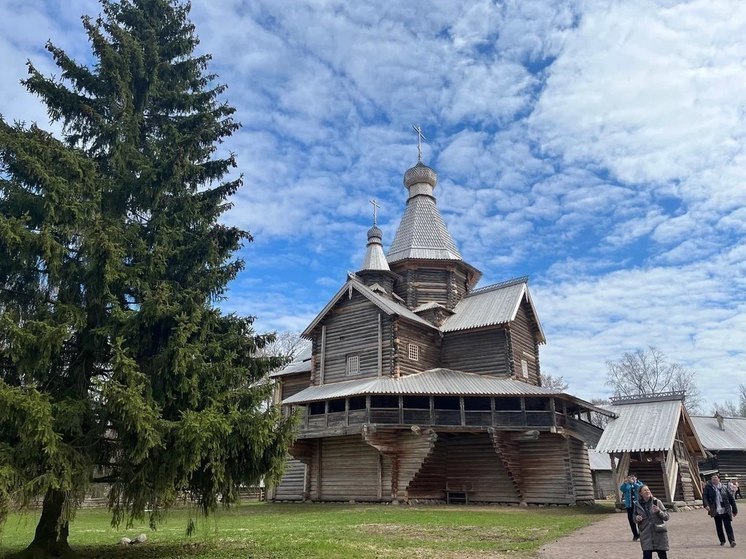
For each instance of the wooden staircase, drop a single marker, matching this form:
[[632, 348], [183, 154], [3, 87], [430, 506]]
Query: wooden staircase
[[509, 453]]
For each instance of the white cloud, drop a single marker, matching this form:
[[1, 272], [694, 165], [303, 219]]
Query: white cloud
[[597, 146], [656, 97]]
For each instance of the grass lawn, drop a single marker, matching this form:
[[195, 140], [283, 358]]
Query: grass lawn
[[323, 531]]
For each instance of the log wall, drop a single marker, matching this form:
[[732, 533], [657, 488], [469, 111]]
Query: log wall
[[464, 462], [346, 468], [428, 342], [352, 328], [292, 384], [474, 465], [405, 465], [603, 484], [651, 474], [732, 463], [546, 471], [290, 487], [482, 351], [420, 285], [581, 470], [524, 344]]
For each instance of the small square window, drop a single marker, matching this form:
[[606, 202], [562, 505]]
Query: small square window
[[524, 368], [414, 352], [353, 364]]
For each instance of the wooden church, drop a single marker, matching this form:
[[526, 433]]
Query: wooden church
[[420, 387]]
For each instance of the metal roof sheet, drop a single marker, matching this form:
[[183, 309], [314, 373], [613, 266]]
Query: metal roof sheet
[[301, 363], [599, 460], [486, 308], [491, 305], [435, 382], [641, 427], [422, 233], [732, 437]]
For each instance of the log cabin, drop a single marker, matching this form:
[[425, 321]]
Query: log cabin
[[724, 439], [654, 438], [419, 386]]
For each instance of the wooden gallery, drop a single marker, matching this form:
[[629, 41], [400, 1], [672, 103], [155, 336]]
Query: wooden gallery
[[417, 386]]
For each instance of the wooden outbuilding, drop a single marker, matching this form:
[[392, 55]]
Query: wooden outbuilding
[[419, 386], [654, 438], [724, 438], [603, 480]]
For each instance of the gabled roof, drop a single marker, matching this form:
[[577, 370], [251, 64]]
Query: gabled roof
[[437, 382], [386, 305], [301, 363], [492, 305], [731, 437], [645, 426]]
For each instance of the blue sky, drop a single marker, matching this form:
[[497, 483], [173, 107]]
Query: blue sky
[[597, 147]]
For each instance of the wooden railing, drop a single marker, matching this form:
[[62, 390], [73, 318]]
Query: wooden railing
[[515, 419]]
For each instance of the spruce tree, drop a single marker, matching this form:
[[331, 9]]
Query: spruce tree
[[116, 366]]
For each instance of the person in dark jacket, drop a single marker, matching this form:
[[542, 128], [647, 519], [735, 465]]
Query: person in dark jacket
[[720, 505], [651, 517], [630, 492]]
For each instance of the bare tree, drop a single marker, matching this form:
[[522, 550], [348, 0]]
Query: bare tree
[[599, 419], [286, 344], [558, 383], [648, 372], [729, 408]]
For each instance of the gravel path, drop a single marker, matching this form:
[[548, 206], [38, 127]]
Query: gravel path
[[691, 535]]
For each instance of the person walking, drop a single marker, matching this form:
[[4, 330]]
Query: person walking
[[721, 506], [630, 492], [651, 517], [737, 494]]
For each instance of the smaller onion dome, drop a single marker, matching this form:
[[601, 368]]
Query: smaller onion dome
[[375, 259]]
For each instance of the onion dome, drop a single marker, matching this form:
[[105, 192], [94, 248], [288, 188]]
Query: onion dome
[[374, 256], [422, 234]]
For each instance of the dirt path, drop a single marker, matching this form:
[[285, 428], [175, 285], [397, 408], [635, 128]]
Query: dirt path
[[691, 535]]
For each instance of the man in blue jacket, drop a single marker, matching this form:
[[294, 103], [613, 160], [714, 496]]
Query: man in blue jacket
[[630, 494]]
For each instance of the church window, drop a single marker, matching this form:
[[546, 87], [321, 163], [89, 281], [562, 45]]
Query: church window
[[524, 368], [353, 364], [414, 352]]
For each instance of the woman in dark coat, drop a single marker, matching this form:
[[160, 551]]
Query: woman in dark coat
[[651, 517]]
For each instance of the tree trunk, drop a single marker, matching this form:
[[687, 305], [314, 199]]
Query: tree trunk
[[50, 539]]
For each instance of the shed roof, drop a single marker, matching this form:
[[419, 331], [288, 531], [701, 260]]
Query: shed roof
[[386, 305], [492, 305], [438, 382], [731, 437], [599, 460]]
